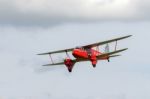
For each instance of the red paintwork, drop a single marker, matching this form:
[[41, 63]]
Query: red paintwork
[[84, 54], [80, 53], [69, 64]]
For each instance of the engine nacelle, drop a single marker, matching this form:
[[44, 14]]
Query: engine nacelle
[[93, 61], [69, 64]]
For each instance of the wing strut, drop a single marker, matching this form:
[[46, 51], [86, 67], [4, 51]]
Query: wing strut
[[97, 48], [116, 46], [51, 58], [67, 54]]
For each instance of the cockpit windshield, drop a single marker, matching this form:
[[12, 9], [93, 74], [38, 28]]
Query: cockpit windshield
[[78, 47]]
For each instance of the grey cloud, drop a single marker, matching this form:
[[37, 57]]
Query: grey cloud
[[46, 12], [143, 8]]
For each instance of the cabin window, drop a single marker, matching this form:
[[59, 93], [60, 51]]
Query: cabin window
[[89, 51], [79, 47]]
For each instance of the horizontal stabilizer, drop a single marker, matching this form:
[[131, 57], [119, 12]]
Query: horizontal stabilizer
[[111, 53]]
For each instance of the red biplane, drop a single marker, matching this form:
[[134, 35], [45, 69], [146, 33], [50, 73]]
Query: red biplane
[[87, 53]]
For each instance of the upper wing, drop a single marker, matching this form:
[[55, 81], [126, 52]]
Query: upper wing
[[110, 53], [87, 46], [105, 42], [59, 51]]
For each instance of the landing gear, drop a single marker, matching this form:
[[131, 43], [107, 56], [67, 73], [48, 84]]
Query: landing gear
[[69, 64], [70, 70], [108, 60], [94, 65], [93, 60]]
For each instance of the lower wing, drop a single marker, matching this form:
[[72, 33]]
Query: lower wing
[[54, 64]]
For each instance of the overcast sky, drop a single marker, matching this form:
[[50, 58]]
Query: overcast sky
[[28, 27], [46, 12]]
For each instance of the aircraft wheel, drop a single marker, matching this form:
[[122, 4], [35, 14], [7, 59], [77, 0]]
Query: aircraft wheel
[[108, 60], [70, 70], [94, 65]]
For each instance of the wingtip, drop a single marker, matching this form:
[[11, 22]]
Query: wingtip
[[125, 49], [130, 35], [46, 65], [43, 53], [40, 54], [122, 49]]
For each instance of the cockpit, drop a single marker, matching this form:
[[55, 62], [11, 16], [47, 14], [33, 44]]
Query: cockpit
[[82, 48], [88, 50], [78, 47]]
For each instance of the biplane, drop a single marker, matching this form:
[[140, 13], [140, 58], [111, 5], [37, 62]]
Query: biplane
[[87, 53]]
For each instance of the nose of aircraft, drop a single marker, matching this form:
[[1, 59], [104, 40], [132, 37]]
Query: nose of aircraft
[[75, 52]]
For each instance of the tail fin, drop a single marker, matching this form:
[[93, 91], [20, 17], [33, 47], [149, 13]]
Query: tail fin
[[107, 48]]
